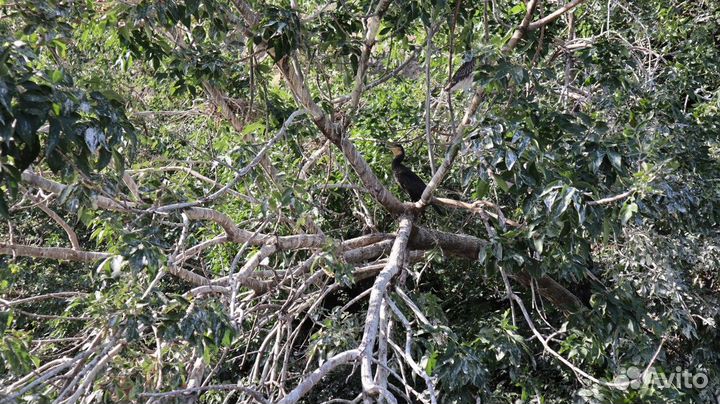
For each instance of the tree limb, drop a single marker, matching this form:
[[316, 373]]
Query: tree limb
[[217, 387], [554, 15], [56, 253], [523, 28], [72, 236], [373, 25], [372, 319], [316, 376]]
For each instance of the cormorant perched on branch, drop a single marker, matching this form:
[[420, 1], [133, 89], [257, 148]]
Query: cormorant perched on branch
[[408, 180]]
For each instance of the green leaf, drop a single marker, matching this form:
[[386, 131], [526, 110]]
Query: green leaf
[[227, 338], [481, 189], [501, 183], [5, 320], [519, 8], [431, 363], [607, 230], [57, 75], [596, 162], [510, 159], [627, 212], [498, 251], [254, 127]]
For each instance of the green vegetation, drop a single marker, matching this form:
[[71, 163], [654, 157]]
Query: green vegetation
[[198, 203]]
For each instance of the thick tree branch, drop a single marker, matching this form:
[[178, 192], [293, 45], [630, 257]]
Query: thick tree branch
[[247, 13], [316, 376], [219, 387], [523, 28], [56, 253], [372, 319], [370, 180], [553, 16], [335, 133], [421, 239], [293, 78]]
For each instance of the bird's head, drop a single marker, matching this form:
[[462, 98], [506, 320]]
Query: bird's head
[[396, 149]]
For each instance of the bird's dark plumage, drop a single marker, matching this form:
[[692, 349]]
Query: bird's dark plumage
[[463, 76], [406, 178]]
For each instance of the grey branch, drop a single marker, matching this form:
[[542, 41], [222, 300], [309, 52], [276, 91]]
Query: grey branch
[[379, 288]]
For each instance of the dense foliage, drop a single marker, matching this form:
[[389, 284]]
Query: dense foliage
[[194, 201]]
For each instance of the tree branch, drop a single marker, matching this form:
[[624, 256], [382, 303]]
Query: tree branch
[[611, 199], [554, 15], [381, 80], [373, 25], [56, 253], [372, 319], [314, 378], [72, 236], [469, 112], [56, 295], [240, 173], [523, 28], [218, 387]]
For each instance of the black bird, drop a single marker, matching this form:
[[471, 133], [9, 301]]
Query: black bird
[[408, 180]]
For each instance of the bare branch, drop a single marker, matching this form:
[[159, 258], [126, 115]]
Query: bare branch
[[45, 377], [554, 15], [381, 80], [552, 352], [93, 373], [247, 13], [314, 378], [451, 153], [430, 32], [373, 25], [314, 157], [421, 239], [195, 174], [240, 173], [372, 319], [56, 253], [55, 187], [611, 199], [469, 113], [475, 207], [56, 295], [217, 387], [72, 236], [522, 29]]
